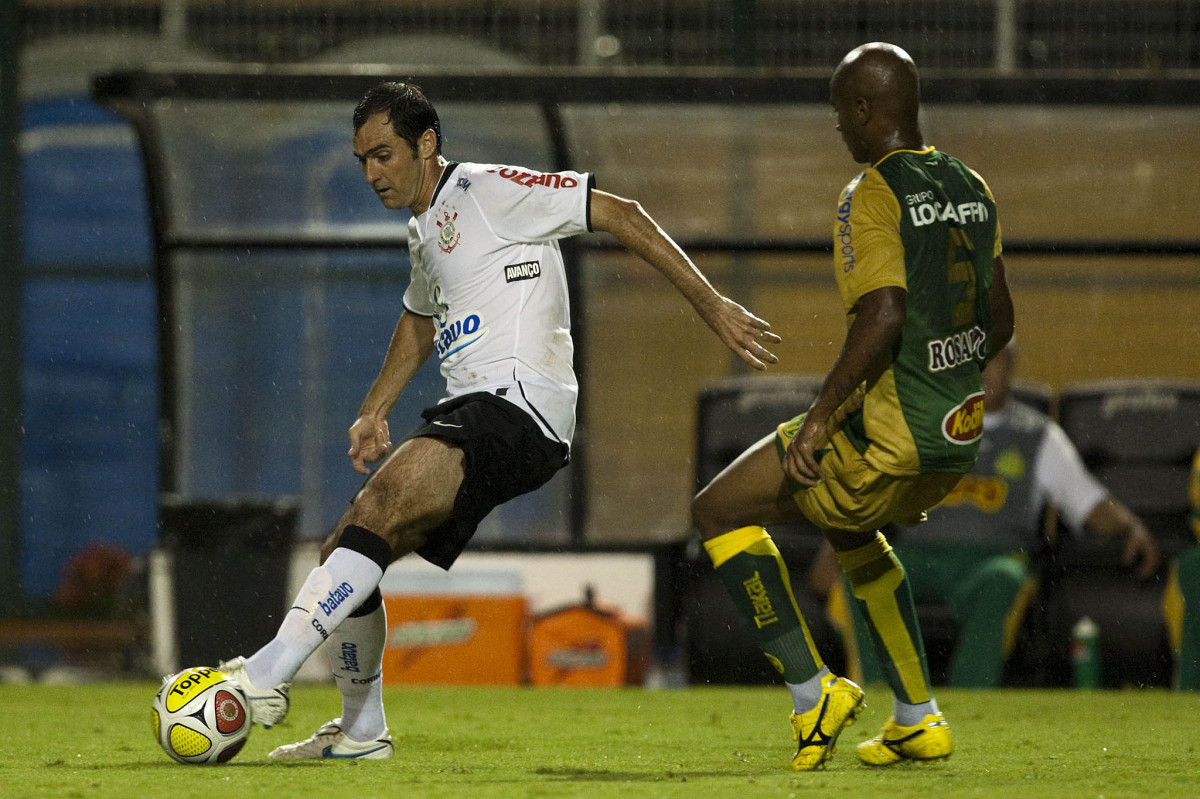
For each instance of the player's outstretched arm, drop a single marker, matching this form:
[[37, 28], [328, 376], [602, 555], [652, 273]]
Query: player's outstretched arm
[[1140, 552], [742, 331], [411, 346]]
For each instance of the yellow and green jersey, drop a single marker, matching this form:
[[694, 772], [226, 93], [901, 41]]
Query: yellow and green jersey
[[925, 222]]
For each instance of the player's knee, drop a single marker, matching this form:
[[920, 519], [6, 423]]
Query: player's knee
[[368, 511], [709, 517], [369, 508], [399, 541]]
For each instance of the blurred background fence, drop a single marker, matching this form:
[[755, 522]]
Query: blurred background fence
[[940, 34]]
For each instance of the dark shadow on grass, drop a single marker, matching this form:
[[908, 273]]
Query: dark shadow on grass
[[172, 765], [606, 775]]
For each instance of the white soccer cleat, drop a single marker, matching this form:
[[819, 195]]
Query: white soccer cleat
[[268, 706], [330, 743]]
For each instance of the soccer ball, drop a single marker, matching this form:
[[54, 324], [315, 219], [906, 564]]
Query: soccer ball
[[200, 716]]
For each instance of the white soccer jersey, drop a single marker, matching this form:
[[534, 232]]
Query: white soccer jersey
[[1062, 478], [486, 266]]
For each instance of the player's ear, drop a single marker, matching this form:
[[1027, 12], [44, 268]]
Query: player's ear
[[427, 144], [862, 109]]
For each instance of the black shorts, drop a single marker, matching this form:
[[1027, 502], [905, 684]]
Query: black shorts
[[505, 454]]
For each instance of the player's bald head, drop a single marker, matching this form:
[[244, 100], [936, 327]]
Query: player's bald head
[[885, 76]]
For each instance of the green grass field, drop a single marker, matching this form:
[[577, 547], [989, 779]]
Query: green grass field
[[94, 741]]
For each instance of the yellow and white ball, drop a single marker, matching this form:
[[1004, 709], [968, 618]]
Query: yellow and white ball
[[200, 716]]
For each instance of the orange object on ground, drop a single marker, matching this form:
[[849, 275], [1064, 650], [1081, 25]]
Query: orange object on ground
[[583, 645], [454, 639]]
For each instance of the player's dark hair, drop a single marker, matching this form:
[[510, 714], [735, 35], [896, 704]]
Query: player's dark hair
[[410, 113]]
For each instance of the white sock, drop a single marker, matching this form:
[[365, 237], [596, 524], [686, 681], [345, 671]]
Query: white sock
[[909, 715], [807, 694], [330, 593], [355, 652]]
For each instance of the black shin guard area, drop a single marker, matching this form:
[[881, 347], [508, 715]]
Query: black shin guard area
[[367, 544]]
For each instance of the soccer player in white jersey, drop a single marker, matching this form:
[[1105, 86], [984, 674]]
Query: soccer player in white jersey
[[488, 294]]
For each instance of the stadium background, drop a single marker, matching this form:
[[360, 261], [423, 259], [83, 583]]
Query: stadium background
[[272, 347]]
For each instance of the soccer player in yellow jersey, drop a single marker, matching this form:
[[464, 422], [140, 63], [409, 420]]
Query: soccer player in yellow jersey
[[897, 420]]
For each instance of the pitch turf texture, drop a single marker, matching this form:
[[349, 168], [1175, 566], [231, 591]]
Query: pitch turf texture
[[94, 741]]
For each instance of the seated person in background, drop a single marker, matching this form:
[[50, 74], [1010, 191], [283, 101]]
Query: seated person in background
[[972, 554], [1183, 592]]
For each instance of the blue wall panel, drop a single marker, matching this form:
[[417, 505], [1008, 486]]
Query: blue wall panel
[[90, 365]]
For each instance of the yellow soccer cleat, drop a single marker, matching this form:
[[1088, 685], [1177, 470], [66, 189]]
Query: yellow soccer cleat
[[817, 730], [929, 740]]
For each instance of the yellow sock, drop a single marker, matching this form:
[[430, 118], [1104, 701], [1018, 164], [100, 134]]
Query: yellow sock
[[877, 580]]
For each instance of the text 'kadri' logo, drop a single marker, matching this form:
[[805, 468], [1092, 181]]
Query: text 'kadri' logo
[[964, 423]]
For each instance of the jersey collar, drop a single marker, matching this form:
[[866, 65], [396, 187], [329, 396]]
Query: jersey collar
[[928, 149], [450, 167]]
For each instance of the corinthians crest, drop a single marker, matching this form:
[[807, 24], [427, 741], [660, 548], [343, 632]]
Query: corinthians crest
[[448, 234]]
